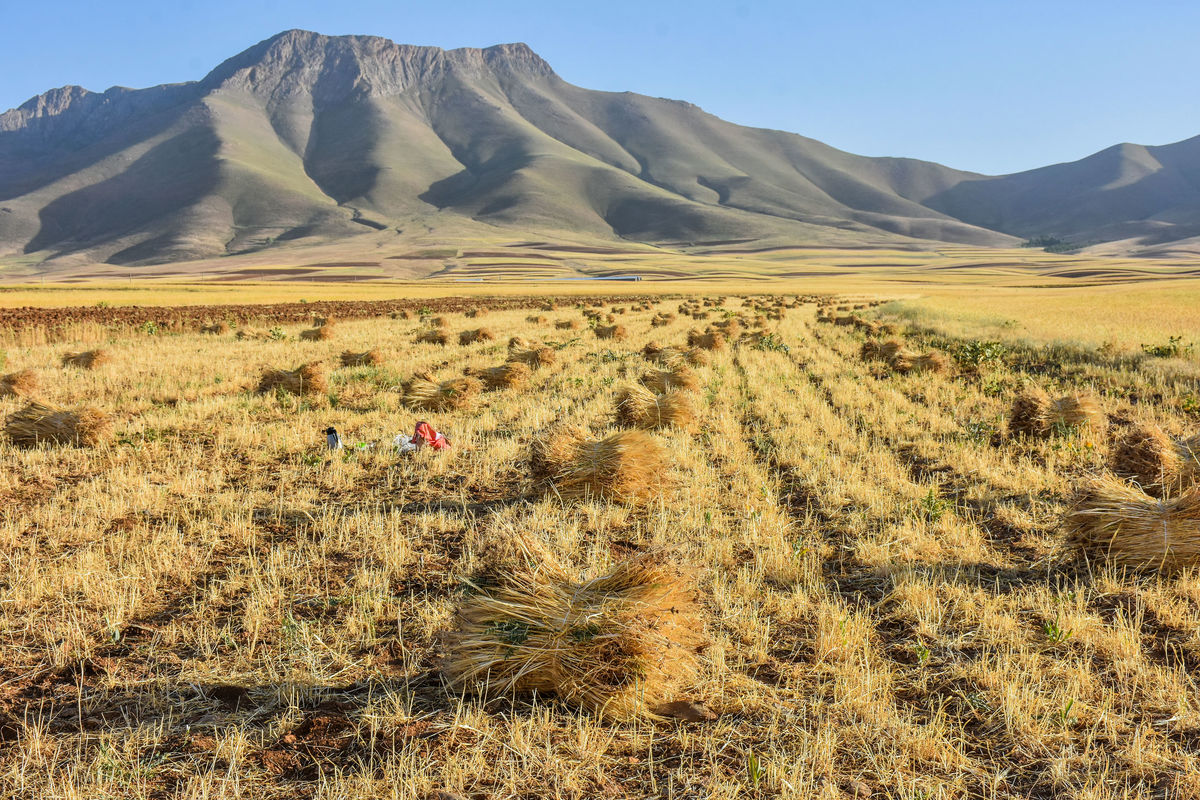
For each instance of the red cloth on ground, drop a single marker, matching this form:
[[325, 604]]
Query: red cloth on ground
[[426, 435]]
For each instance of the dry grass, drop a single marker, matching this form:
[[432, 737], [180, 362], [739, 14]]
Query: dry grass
[[19, 384], [639, 407], [38, 423], [367, 358], [307, 379], [621, 645], [88, 359], [1115, 521], [423, 392], [627, 466]]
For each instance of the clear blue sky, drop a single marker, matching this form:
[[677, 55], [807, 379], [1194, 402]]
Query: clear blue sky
[[985, 85]]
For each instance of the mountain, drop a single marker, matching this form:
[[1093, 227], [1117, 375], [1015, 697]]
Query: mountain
[[305, 138], [1144, 196]]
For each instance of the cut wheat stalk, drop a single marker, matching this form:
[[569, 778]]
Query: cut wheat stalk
[[628, 466], [512, 375], [534, 357], [933, 361], [1034, 413], [369, 358], [40, 423], [711, 340], [423, 392], [434, 336], [475, 335], [1116, 521], [621, 645], [321, 334], [19, 384], [638, 407], [1158, 463], [615, 332], [662, 381], [307, 379], [89, 359]]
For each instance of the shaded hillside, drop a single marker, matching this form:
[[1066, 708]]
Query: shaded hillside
[[1129, 191], [312, 137]]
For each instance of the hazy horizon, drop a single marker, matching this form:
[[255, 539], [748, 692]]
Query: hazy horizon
[[994, 88]]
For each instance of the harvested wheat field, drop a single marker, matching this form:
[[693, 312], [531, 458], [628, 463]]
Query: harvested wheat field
[[673, 564]]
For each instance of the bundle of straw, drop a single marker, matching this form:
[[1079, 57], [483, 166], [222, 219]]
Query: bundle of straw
[[370, 358], [616, 332], [536, 319], [438, 322], [871, 350], [38, 422], [933, 361], [320, 334], [1034, 413], [472, 313], [709, 340], [1145, 454], [90, 359], [653, 351], [638, 407], [308, 378], [219, 328], [19, 384], [1114, 520], [400, 314], [476, 335], [423, 392], [433, 336], [872, 328], [628, 466], [250, 333], [532, 357], [662, 381], [512, 375], [568, 325], [660, 319], [621, 645]]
